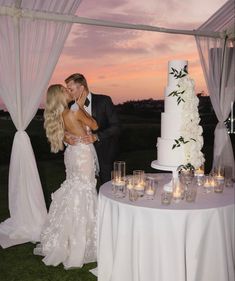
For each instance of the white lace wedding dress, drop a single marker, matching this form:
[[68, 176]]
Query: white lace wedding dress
[[69, 234]]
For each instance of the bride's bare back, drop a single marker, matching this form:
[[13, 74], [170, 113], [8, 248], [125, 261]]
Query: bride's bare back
[[76, 122]]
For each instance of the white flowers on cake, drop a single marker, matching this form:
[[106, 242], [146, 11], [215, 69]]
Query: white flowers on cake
[[191, 131]]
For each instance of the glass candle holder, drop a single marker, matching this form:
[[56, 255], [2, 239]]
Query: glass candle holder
[[218, 173], [133, 195], [129, 182], [229, 182], [178, 191], [186, 177], [166, 198], [199, 175], [199, 180], [113, 182], [209, 182], [139, 181], [119, 170], [150, 188], [190, 194], [219, 186], [120, 191], [228, 174], [213, 182]]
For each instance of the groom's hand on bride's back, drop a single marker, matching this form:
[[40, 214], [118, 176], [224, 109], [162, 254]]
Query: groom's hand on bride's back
[[70, 139], [90, 138]]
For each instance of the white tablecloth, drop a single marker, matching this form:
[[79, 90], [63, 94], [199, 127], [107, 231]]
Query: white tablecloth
[[147, 241]]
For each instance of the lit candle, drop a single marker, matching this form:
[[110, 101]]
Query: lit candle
[[177, 193], [139, 186], [130, 186], [199, 171], [149, 191], [199, 175], [212, 183], [219, 178], [119, 182], [207, 183]]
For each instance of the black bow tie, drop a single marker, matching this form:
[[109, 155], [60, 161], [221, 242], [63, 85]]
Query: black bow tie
[[87, 102]]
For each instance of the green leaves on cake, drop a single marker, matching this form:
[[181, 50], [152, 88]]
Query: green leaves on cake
[[187, 167], [180, 141], [190, 138], [179, 74], [178, 95]]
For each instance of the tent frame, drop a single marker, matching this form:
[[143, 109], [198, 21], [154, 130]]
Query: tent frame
[[26, 13]]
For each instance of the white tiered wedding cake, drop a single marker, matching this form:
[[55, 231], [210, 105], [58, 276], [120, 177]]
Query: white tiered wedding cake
[[181, 135]]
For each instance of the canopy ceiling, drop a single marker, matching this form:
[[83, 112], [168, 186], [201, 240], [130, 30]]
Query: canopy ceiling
[[224, 22]]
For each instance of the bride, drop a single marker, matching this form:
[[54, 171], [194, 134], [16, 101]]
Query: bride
[[69, 233]]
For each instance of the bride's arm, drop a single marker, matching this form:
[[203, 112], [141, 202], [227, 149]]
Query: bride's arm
[[84, 116], [86, 119]]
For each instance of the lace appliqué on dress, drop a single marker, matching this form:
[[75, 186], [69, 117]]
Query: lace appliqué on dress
[[69, 235]]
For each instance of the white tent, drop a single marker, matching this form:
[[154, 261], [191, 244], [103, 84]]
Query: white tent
[[218, 63], [27, 63]]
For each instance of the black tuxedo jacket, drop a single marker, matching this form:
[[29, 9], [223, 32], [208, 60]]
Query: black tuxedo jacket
[[104, 112]]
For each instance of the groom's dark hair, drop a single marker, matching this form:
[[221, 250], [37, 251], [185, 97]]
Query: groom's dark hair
[[77, 78]]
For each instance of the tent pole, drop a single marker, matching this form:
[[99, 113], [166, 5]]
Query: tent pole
[[10, 11]]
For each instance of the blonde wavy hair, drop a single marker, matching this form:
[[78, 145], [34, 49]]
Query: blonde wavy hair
[[53, 120]]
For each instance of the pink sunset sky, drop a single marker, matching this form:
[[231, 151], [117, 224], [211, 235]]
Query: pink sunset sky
[[129, 64]]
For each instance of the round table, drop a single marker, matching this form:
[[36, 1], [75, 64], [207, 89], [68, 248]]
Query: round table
[[148, 241]]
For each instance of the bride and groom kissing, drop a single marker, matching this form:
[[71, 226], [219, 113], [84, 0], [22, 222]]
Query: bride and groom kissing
[[89, 129]]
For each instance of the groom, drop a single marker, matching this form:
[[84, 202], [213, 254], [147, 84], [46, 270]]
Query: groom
[[101, 108]]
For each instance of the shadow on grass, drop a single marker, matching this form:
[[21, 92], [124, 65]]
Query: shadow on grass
[[19, 264]]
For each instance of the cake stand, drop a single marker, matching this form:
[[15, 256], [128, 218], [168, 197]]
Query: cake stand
[[169, 186]]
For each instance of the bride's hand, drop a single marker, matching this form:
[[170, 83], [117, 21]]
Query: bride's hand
[[87, 139], [81, 99]]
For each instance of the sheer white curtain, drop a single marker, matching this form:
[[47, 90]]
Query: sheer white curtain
[[218, 62], [29, 50]]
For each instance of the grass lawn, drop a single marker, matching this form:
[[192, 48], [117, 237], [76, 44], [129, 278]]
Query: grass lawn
[[18, 263]]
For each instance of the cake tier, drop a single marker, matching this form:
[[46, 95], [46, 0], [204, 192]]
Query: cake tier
[[171, 125], [170, 104], [166, 155], [177, 65]]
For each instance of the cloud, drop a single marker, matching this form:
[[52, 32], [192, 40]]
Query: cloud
[[129, 11], [93, 42]]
